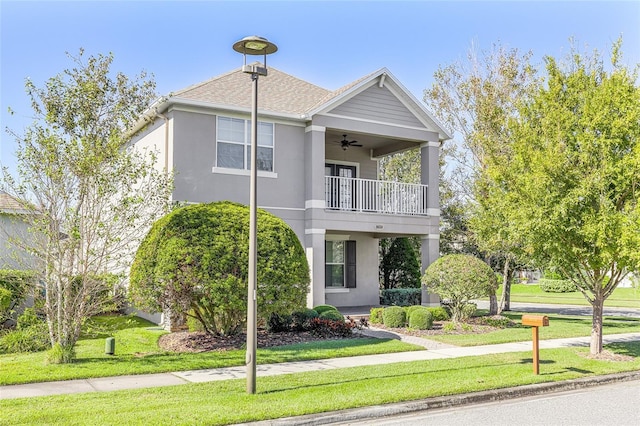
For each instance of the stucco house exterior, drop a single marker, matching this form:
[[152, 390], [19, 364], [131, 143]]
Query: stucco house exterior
[[327, 191], [13, 227]]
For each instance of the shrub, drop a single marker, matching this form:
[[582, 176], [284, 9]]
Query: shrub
[[401, 296], [29, 317], [34, 338], [421, 319], [458, 278], [332, 315], [14, 288], [59, 354], [439, 313], [279, 323], [196, 257], [556, 286], [496, 321], [320, 309], [410, 309], [394, 317], [399, 265], [301, 320], [329, 328], [468, 310], [375, 315]]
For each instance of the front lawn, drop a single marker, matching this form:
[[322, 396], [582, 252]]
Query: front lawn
[[218, 403], [560, 326], [531, 293], [137, 352]]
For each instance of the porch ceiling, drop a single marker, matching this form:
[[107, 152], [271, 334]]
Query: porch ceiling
[[381, 145]]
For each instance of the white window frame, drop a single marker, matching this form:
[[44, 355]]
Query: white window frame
[[246, 145], [343, 264]]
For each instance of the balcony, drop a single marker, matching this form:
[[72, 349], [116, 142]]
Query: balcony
[[375, 196]]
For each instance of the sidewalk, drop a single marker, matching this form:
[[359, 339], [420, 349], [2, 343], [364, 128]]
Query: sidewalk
[[434, 351]]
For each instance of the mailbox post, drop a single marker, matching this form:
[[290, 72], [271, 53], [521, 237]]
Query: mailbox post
[[535, 321]]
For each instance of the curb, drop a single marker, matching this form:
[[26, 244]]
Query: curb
[[493, 395]]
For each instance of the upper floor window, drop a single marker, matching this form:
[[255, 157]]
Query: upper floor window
[[233, 144]]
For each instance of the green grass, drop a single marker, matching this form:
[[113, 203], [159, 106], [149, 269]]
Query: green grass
[[218, 403], [531, 293], [560, 326], [137, 352]]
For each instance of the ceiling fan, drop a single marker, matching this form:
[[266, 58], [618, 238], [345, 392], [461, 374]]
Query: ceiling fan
[[346, 144]]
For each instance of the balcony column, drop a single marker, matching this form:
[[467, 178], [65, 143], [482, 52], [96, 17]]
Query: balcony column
[[430, 175], [314, 142]]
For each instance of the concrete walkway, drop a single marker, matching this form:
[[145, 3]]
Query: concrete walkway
[[177, 378]]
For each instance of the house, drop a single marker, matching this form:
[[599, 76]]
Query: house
[[318, 166], [14, 228]]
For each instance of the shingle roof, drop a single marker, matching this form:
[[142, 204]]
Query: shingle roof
[[8, 203], [279, 92]]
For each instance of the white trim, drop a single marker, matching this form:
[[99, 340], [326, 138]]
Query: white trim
[[430, 144], [381, 123], [243, 172], [315, 128], [295, 209], [433, 212], [336, 290], [433, 236], [315, 204], [315, 231], [336, 237]]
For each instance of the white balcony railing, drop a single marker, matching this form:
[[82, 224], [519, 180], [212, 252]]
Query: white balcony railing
[[376, 196]]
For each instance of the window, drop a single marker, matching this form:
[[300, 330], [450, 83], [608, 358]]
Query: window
[[340, 264], [233, 144]]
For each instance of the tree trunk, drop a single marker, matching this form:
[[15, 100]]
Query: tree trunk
[[505, 298], [493, 304], [596, 326]]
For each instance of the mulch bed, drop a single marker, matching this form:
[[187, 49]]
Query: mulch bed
[[198, 341]]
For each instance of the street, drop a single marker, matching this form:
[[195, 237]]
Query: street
[[616, 404]]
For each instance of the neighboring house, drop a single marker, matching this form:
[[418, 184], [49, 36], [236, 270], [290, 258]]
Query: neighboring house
[[326, 190], [13, 229]]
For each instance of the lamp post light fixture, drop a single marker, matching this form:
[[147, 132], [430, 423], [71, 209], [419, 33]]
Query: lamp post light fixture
[[253, 45]]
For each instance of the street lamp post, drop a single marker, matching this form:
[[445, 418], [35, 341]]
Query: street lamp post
[[253, 45]]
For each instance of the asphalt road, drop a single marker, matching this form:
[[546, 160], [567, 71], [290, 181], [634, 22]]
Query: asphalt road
[[615, 404]]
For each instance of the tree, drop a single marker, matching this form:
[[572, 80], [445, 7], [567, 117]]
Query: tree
[[399, 266], [572, 188], [459, 278], [194, 261], [476, 99], [88, 198]]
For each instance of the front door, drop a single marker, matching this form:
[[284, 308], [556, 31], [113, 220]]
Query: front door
[[340, 193]]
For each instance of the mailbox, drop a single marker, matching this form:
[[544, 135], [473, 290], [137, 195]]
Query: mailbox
[[535, 320]]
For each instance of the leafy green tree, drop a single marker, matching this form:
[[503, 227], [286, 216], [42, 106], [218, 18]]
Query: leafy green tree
[[399, 266], [88, 198], [572, 187], [458, 279], [475, 99], [194, 261]]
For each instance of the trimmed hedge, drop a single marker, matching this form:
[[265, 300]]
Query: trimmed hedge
[[421, 319], [556, 286], [401, 296], [324, 308], [439, 313], [332, 315], [375, 315], [394, 317]]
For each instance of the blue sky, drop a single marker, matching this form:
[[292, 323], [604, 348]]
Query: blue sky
[[327, 43]]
